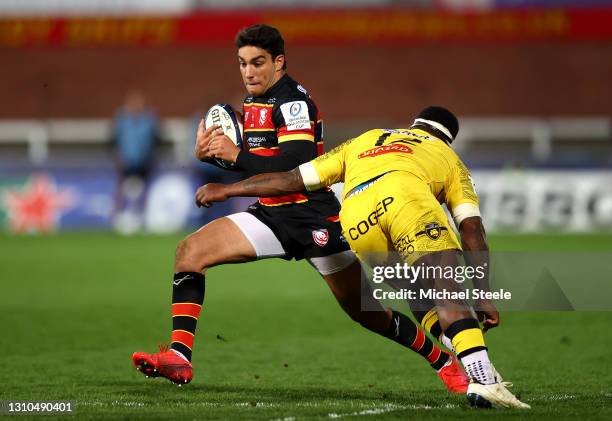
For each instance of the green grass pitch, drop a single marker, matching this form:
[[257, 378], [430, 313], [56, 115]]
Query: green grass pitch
[[272, 343]]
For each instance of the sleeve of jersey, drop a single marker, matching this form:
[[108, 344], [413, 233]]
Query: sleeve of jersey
[[461, 196], [326, 170], [291, 155], [295, 120]]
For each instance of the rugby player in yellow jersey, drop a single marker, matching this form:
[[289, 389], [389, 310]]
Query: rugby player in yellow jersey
[[394, 184]]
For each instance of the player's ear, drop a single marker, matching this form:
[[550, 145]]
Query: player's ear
[[279, 62]]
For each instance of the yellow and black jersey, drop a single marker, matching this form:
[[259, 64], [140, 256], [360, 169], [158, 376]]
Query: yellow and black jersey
[[381, 151], [283, 125]]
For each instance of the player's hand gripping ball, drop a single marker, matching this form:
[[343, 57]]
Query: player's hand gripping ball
[[231, 124]]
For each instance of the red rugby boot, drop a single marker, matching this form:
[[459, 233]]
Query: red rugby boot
[[454, 376], [166, 363]]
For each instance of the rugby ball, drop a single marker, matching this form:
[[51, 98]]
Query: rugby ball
[[231, 124]]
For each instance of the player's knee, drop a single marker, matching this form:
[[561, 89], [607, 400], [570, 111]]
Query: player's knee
[[374, 321], [185, 256], [373, 325], [181, 251], [360, 317], [355, 316]]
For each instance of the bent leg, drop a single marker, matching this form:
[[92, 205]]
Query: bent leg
[[353, 295], [236, 238], [220, 241], [346, 286]]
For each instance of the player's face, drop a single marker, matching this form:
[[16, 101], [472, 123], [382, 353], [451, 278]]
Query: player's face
[[259, 70]]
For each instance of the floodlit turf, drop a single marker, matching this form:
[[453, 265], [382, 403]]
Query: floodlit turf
[[272, 343]]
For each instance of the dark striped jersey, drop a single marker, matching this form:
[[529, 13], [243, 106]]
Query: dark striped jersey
[[283, 123]]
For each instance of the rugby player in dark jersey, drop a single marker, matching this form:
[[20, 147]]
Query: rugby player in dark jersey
[[282, 129]]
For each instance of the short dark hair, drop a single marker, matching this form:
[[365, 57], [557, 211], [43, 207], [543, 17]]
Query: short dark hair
[[441, 116], [263, 36]]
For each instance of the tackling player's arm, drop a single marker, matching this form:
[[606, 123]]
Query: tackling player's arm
[[217, 145], [291, 155], [462, 200], [267, 184], [476, 253], [322, 171]]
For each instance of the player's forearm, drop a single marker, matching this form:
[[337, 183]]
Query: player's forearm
[[268, 184], [292, 154], [476, 250]]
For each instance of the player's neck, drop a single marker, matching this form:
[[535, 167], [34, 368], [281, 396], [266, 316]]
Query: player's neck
[[277, 76]]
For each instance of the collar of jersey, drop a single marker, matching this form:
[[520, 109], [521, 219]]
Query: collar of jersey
[[274, 89]]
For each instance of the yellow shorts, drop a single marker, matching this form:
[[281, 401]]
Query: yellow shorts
[[397, 213]]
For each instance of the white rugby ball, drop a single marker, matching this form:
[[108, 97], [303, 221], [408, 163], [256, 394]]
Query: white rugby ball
[[231, 124]]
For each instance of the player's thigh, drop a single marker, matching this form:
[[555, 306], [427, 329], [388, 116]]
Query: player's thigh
[[418, 226], [345, 284], [219, 241], [352, 290], [359, 217], [239, 237]]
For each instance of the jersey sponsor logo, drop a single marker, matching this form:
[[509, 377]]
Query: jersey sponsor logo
[[296, 115], [320, 237], [302, 89], [381, 150], [404, 246], [364, 226], [256, 141]]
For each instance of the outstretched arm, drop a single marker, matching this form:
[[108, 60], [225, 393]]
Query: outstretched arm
[[476, 253], [268, 184]]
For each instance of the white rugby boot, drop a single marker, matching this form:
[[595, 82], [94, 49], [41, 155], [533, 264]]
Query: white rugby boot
[[493, 396]]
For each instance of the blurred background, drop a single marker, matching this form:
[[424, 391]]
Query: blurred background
[[100, 99]]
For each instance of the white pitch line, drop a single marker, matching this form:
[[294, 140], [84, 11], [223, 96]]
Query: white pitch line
[[559, 397], [128, 403], [388, 408], [258, 404]]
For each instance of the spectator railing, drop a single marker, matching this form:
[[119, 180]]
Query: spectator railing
[[38, 135]]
